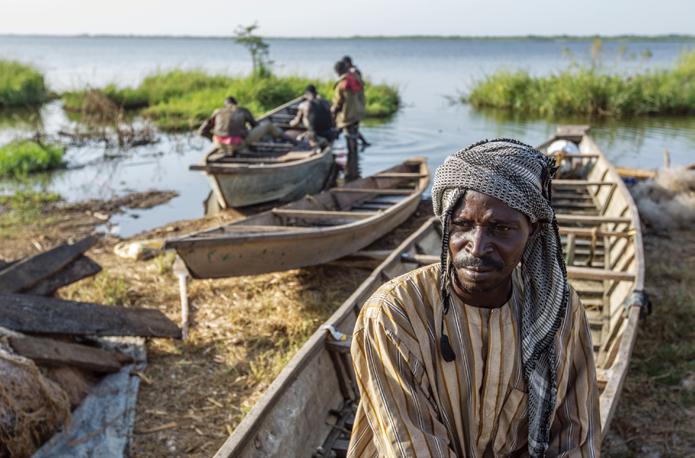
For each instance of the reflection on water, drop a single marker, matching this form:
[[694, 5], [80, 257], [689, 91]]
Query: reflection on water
[[426, 71]]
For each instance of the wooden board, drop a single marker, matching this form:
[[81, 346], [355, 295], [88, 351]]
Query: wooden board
[[29, 271], [82, 267], [43, 315], [50, 352]]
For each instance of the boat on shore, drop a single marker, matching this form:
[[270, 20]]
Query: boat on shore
[[270, 172], [314, 230], [309, 409]]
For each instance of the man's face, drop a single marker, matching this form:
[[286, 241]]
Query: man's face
[[487, 239]]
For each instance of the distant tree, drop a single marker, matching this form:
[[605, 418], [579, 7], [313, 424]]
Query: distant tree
[[596, 47], [257, 47]]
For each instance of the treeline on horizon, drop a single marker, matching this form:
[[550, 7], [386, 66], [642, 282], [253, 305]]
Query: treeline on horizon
[[530, 37]]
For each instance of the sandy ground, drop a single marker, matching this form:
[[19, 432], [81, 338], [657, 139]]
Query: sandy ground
[[244, 329]]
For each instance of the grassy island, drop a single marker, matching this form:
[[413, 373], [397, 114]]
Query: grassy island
[[590, 92], [21, 85], [20, 158], [180, 100]]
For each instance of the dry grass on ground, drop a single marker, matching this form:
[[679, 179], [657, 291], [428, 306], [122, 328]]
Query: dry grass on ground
[[243, 331], [656, 411]]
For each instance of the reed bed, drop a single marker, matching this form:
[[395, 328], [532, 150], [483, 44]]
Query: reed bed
[[589, 91], [21, 85], [23, 157], [180, 100]]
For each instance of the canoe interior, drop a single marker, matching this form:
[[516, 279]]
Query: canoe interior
[[310, 406]]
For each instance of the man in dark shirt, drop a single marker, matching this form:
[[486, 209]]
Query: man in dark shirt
[[228, 127], [314, 113]]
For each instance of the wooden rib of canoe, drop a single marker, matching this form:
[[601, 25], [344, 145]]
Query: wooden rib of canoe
[[271, 172], [316, 229], [309, 409]]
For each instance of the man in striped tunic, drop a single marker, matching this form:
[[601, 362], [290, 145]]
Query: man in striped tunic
[[487, 353]]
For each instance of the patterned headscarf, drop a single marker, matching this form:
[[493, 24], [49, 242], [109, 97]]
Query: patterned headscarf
[[520, 176]]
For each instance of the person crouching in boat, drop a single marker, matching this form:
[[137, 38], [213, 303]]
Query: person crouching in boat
[[228, 127], [488, 352], [348, 109], [314, 114]]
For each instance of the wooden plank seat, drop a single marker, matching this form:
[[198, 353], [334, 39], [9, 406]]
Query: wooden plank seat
[[582, 183], [322, 214], [564, 218], [373, 191]]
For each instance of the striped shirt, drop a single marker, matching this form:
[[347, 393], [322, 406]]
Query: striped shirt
[[413, 403]]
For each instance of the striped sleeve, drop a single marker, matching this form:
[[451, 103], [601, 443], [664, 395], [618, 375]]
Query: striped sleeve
[[401, 415], [576, 429]]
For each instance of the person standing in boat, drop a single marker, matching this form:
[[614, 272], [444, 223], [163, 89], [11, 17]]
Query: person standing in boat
[[487, 353], [314, 113], [348, 109], [228, 127]]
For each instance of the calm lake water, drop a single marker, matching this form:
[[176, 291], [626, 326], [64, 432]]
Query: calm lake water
[[427, 71]]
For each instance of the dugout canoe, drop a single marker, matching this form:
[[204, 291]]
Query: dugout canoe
[[273, 171], [316, 229], [309, 409]]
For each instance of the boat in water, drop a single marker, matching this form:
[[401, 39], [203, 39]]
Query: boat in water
[[269, 171]]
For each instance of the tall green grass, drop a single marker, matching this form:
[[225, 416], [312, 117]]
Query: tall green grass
[[181, 100], [21, 85], [20, 158], [590, 92]]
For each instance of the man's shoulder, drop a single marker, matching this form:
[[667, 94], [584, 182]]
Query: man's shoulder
[[410, 287]]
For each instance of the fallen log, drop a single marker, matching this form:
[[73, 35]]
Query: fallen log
[[29, 271], [43, 315], [82, 267], [50, 352]]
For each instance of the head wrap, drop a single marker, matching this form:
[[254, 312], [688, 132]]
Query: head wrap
[[520, 176]]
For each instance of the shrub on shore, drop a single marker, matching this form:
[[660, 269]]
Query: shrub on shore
[[21, 85], [590, 92], [20, 158], [181, 100]]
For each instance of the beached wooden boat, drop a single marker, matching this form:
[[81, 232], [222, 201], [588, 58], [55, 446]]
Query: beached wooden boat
[[308, 410], [316, 229], [271, 172]]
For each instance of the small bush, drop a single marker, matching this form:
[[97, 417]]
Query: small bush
[[20, 158], [21, 85]]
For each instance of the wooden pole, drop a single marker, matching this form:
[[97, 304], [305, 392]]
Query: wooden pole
[[182, 273]]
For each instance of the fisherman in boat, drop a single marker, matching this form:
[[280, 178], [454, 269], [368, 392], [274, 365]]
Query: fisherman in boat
[[314, 113], [228, 127], [348, 109], [487, 353]]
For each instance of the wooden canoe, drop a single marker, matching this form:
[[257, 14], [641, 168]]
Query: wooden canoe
[[308, 410], [271, 172], [314, 230]]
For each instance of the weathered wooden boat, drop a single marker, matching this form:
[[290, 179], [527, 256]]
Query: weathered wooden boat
[[309, 409], [271, 172], [316, 229]]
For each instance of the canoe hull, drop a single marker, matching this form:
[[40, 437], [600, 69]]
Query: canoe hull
[[250, 185], [233, 257]]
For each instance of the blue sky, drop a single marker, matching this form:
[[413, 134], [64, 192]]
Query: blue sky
[[349, 17]]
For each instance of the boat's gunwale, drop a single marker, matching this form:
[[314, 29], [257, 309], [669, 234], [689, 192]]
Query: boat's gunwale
[[231, 168], [191, 239], [311, 348]]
